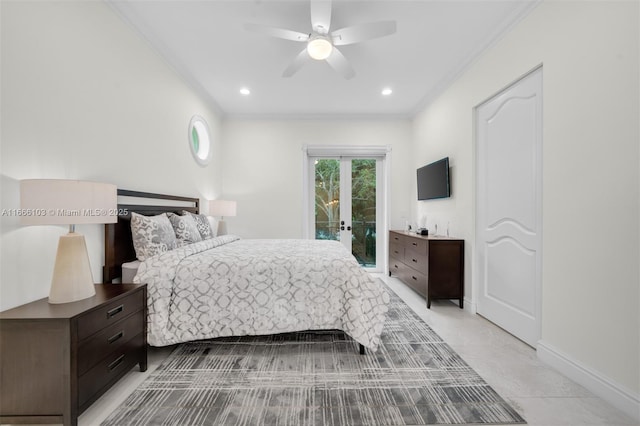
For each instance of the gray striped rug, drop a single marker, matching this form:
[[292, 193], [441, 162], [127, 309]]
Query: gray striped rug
[[317, 378]]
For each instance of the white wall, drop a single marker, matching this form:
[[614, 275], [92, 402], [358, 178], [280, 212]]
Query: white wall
[[589, 52], [84, 97], [263, 160]]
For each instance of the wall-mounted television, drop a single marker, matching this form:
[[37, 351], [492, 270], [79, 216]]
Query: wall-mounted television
[[433, 180]]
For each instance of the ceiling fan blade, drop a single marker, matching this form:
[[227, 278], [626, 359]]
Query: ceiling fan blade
[[339, 63], [297, 63], [276, 32], [321, 16], [363, 32]]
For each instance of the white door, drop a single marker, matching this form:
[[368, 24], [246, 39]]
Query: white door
[[346, 205], [345, 199], [508, 208]]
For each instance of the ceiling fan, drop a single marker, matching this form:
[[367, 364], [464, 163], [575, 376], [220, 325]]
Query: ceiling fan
[[321, 42]]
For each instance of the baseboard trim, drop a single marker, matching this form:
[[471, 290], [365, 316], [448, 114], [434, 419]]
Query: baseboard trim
[[469, 305], [612, 392]]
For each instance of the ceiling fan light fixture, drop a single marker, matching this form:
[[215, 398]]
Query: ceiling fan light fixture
[[319, 48]]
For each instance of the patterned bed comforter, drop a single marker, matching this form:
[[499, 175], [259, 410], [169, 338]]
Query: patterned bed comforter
[[227, 286]]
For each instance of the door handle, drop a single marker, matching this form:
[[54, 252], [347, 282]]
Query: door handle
[[342, 226]]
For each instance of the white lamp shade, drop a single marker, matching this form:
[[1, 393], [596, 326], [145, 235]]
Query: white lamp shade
[[67, 202], [222, 208]]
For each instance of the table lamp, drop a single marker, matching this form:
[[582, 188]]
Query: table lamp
[[222, 208], [68, 202]]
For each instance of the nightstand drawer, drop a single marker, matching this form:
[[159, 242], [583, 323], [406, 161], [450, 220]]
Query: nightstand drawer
[[108, 340], [109, 314], [110, 369]]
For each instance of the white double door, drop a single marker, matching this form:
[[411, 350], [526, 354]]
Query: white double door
[[345, 203], [508, 208]]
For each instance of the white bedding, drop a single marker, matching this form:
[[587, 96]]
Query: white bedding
[[228, 286]]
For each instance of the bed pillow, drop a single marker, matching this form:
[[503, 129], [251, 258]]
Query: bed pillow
[[152, 235], [202, 223], [185, 228], [129, 271]]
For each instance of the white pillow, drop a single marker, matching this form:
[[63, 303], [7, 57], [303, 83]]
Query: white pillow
[[185, 228], [152, 235], [206, 231]]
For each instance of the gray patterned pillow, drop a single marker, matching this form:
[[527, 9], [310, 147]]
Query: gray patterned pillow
[[202, 223], [152, 235], [185, 228]]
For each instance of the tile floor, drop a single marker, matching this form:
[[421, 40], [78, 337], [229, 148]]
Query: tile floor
[[541, 395]]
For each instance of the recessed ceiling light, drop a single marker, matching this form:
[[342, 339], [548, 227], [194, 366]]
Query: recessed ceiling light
[[244, 91], [386, 91]]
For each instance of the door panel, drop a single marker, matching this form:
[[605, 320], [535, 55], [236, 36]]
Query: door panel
[[327, 199], [508, 222], [363, 210], [347, 204]]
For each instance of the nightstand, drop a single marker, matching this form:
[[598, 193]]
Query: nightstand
[[56, 360]]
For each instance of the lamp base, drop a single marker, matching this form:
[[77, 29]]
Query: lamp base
[[222, 227], [72, 279]]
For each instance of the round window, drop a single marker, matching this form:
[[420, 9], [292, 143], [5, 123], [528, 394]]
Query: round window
[[199, 141]]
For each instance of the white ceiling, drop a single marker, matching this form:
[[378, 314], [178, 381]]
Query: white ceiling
[[206, 42]]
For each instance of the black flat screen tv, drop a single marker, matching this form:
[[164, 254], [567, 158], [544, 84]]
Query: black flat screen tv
[[433, 180]]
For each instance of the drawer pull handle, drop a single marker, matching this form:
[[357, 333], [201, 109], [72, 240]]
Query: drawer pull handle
[[115, 311], [414, 278], [116, 336], [414, 260], [414, 244], [116, 363]]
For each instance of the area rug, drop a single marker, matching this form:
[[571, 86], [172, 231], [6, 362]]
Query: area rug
[[317, 378]]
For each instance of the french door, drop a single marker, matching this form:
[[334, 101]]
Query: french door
[[345, 204]]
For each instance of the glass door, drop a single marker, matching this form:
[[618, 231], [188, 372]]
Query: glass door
[[347, 205]]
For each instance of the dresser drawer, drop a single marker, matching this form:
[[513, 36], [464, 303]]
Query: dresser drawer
[[395, 238], [410, 276], [416, 280], [416, 260], [396, 251], [418, 245], [110, 368], [108, 340], [110, 313]]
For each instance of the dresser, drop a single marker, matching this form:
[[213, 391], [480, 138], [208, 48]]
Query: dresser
[[431, 265], [57, 359]]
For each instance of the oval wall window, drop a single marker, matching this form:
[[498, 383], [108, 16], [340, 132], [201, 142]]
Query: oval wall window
[[199, 140]]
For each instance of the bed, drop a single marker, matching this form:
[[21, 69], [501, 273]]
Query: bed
[[231, 286]]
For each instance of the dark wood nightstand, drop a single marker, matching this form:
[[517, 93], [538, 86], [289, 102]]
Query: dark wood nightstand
[[56, 360]]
